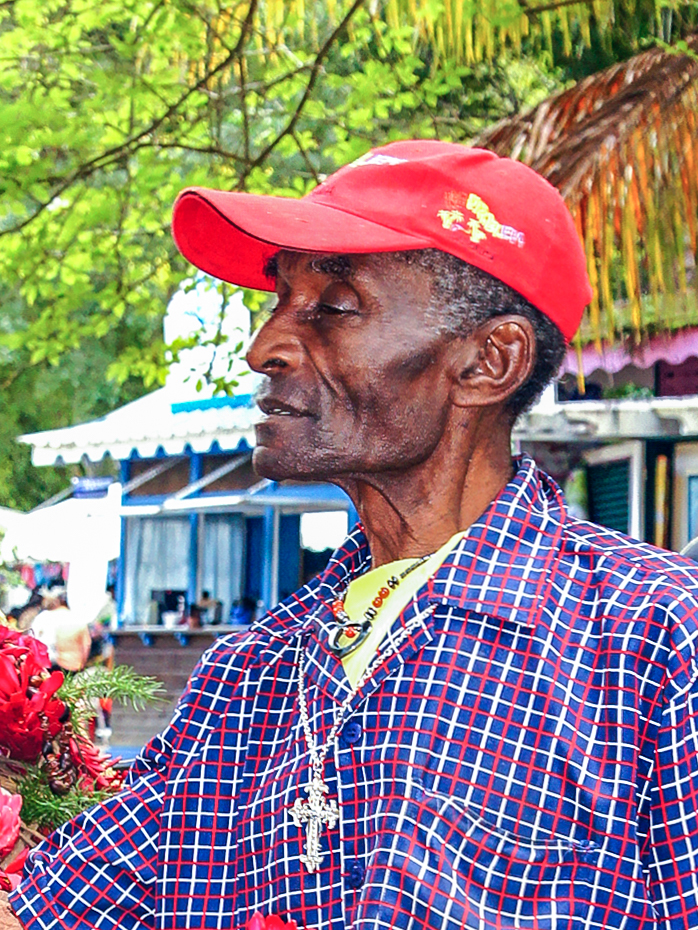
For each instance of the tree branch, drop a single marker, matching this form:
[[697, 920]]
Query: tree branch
[[129, 145], [546, 7], [243, 109], [319, 58], [309, 165]]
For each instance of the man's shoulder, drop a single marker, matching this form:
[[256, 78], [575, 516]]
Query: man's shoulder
[[620, 555], [643, 598], [44, 614], [249, 647], [43, 621], [231, 671]]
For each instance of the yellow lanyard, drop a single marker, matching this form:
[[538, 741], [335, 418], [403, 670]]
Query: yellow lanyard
[[362, 591]]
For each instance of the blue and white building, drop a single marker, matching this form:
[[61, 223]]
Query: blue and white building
[[194, 515]]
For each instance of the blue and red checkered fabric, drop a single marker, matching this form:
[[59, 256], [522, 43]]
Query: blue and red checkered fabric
[[528, 758]]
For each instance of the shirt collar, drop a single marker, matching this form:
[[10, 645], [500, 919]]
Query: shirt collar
[[501, 567]]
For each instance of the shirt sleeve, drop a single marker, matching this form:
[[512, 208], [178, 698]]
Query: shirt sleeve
[[671, 843], [100, 869]]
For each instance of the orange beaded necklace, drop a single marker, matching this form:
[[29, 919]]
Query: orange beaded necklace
[[349, 634]]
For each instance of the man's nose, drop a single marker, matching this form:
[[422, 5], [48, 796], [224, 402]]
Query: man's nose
[[275, 346]]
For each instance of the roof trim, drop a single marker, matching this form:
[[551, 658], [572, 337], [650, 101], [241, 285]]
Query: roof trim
[[673, 348], [602, 420], [213, 403]]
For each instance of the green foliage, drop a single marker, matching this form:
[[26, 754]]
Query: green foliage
[[634, 391], [40, 396], [108, 110], [121, 683], [632, 28], [43, 807]]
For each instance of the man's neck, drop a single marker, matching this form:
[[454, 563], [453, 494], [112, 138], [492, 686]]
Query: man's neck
[[414, 514]]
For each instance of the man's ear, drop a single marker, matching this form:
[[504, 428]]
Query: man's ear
[[493, 361]]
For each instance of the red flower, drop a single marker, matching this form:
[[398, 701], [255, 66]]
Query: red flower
[[96, 771], [25, 641], [17, 865], [11, 875], [272, 922], [29, 711], [10, 806]]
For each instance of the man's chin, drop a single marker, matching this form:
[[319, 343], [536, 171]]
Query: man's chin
[[276, 466], [282, 465]]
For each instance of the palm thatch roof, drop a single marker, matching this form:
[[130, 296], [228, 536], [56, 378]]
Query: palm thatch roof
[[458, 29], [622, 148]]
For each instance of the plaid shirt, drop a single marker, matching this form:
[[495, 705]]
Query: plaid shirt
[[527, 757]]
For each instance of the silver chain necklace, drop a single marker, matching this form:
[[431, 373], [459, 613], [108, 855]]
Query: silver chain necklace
[[316, 812]]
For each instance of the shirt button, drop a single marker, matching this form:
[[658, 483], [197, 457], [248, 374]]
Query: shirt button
[[351, 733], [356, 875]]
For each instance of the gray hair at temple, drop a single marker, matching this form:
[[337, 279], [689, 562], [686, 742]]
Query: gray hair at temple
[[464, 297]]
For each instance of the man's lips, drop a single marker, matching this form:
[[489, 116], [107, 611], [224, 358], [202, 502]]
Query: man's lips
[[273, 407]]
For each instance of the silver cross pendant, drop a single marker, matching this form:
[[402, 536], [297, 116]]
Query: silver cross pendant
[[314, 813]]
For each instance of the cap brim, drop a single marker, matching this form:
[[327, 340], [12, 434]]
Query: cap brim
[[232, 236]]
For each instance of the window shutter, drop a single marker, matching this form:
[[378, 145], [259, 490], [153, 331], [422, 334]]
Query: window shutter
[[609, 485]]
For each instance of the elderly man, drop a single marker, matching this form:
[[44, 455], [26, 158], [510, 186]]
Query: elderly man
[[482, 713]]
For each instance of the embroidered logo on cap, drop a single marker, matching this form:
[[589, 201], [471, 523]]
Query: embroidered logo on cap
[[482, 222], [376, 158]]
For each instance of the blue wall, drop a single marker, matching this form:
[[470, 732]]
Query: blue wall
[[254, 557], [289, 554]]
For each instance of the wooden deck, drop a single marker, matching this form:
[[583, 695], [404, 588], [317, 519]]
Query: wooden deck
[[166, 655]]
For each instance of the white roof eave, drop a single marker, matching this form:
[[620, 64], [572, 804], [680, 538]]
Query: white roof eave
[[145, 427], [598, 420], [145, 448]]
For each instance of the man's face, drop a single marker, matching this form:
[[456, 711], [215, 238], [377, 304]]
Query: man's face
[[356, 384]]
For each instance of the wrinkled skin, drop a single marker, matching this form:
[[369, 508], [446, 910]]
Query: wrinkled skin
[[364, 391], [362, 378]]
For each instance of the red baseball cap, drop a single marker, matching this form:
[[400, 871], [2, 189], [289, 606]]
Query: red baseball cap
[[494, 213]]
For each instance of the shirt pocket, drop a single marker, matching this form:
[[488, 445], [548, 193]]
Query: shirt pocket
[[437, 863]]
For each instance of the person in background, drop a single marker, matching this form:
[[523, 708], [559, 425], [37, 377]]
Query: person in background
[[106, 615], [12, 616], [194, 618], [65, 635], [102, 648], [102, 654], [30, 610], [243, 610], [209, 608]]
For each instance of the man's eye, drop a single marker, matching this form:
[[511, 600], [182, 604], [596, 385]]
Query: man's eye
[[333, 310]]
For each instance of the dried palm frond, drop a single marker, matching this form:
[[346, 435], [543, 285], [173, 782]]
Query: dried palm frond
[[460, 29], [621, 146], [468, 31]]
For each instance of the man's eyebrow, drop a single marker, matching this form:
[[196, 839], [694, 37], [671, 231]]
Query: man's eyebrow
[[336, 266]]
